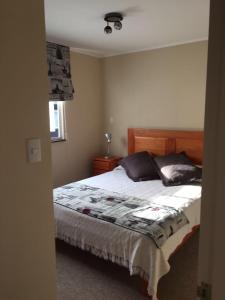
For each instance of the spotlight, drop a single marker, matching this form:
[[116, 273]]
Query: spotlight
[[117, 25], [108, 29], [115, 18]]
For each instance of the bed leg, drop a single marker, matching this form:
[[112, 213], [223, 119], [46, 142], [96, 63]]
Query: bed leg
[[143, 286]]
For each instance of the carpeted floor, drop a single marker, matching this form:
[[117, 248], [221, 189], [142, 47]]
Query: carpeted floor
[[82, 276]]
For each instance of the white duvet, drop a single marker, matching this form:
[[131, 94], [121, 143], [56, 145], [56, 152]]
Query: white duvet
[[122, 246]]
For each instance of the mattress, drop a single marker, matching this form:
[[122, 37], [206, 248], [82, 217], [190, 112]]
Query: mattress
[[120, 245]]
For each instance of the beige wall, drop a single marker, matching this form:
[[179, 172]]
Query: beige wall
[[27, 258], [84, 122], [163, 88]]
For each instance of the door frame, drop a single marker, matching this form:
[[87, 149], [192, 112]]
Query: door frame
[[212, 237]]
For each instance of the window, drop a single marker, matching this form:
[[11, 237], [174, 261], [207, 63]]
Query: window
[[56, 110]]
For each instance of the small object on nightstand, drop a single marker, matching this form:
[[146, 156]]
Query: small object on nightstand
[[108, 137], [102, 164]]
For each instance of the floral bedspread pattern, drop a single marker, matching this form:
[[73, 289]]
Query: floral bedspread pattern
[[155, 221]]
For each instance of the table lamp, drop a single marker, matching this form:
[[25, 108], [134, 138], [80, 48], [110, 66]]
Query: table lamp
[[108, 137]]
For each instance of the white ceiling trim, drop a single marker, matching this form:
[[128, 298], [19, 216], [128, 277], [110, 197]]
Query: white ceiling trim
[[87, 52], [101, 55]]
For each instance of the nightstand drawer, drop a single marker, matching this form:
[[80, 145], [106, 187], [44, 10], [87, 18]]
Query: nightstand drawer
[[101, 164]]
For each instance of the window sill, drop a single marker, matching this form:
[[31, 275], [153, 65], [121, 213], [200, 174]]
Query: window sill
[[58, 140]]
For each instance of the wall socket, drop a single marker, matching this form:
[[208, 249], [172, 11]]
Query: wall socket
[[204, 291]]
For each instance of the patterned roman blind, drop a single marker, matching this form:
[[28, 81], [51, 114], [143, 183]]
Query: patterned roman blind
[[59, 75]]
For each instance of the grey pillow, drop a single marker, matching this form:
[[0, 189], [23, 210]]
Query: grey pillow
[[177, 169], [140, 166]]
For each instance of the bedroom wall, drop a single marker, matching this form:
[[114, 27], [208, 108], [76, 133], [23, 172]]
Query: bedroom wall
[[72, 159], [27, 256], [163, 88]]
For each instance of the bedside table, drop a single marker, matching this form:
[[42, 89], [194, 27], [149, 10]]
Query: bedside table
[[102, 164]]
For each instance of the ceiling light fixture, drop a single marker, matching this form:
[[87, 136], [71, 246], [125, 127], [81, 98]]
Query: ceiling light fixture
[[115, 18]]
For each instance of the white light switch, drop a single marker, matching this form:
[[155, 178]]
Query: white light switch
[[34, 150]]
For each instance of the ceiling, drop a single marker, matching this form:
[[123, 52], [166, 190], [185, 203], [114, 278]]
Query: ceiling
[[147, 24]]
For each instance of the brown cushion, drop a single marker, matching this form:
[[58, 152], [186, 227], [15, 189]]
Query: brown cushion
[[140, 166], [177, 169]]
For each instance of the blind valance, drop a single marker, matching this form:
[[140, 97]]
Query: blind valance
[[59, 75]]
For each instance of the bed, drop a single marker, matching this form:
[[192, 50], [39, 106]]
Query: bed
[[130, 248]]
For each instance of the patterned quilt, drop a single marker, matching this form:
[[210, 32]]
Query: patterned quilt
[[155, 221]]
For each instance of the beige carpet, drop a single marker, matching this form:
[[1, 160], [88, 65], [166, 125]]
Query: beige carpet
[[82, 276]]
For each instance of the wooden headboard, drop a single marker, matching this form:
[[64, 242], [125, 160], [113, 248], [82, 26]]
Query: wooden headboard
[[162, 142]]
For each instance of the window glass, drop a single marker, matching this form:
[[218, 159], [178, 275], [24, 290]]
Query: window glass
[[56, 120]]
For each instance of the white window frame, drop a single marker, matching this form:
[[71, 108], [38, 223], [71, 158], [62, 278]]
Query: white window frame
[[59, 134]]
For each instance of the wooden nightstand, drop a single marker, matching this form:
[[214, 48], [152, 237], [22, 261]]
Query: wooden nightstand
[[102, 164]]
